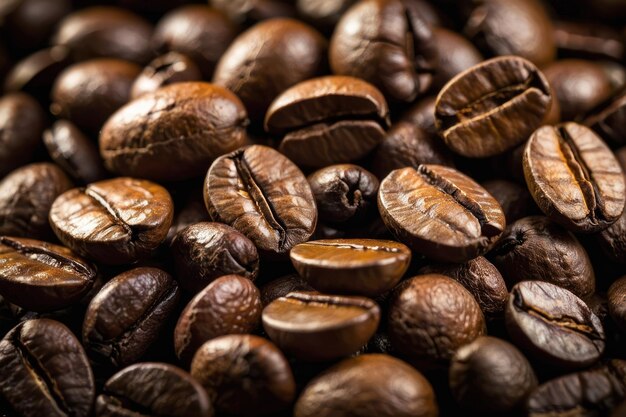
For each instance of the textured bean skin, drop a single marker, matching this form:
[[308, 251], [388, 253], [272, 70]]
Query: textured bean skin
[[167, 69]]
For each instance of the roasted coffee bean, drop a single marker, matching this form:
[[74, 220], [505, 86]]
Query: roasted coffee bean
[[185, 126], [553, 325], [609, 120], [514, 199], [316, 327], [574, 177], [40, 276], [422, 114], [344, 194], [264, 195], [387, 43], [323, 13], [455, 55], [591, 41], [45, 371], [368, 386], [155, 389], [282, 286], [490, 375], [229, 305], [351, 266], [440, 212], [26, 196], [492, 107], [206, 251], [167, 69], [126, 316], [113, 221], [328, 120], [548, 252], [617, 303], [430, 317], [251, 11], [244, 375]]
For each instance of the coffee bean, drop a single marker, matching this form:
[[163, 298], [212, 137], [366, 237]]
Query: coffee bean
[[263, 195], [282, 286], [185, 126], [514, 199], [574, 177], [167, 69], [591, 41], [192, 212], [244, 375], [617, 302], [492, 107], [351, 266], [553, 325], [113, 221], [206, 251], [316, 327], [155, 389], [45, 371], [439, 212], [455, 55], [368, 386], [253, 11], [608, 120], [323, 13], [40, 276], [422, 115]]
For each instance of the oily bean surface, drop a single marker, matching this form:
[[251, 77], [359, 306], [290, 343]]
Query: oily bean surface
[[167, 69]]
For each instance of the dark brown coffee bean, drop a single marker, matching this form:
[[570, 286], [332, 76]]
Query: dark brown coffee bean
[[617, 303], [192, 212], [206, 251], [574, 177], [323, 14], [351, 266], [40, 276], [515, 200], [229, 305], [422, 114], [492, 107], [609, 120], [113, 221], [439, 212], [264, 195], [490, 375], [244, 375], [368, 386], [553, 325], [328, 120], [252, 11], [282, 286], [316, 327], [591, 41], [155, 389], [167, 69], [45, 371], [185, 126], [455, 55]]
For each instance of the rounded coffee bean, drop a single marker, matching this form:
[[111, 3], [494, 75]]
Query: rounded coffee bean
[[514, 199], [263, 195], [244, 375], [440, 212], [167, 69], [609, 120], [282, 286], [490, 375], [113, 221], [251, 11], [40, 276], [328, 120], [574, 177], [206, 251], [351, 266], [155, 389], [126, 316], [592, 41], [323, 13], [185, 126], [193, 211], [617, 303], [316, 327], [229, 305], [553, 325], [455, 55], [372, 385], [45, 371], [492, 107], [26, 196]]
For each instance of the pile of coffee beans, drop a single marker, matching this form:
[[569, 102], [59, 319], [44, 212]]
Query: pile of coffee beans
[[313, 208]]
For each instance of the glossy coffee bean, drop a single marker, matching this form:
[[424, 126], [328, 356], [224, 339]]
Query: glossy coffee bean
[[617, 303], [229, 305], [263, 195], [244, 375], [548, 253], [323, 13], [282, 286], [608, 120], [514, 199], [316, 327], [490, 375], [553, 325], [351, 266], [368, 386], [26, 196], [253, 11], [185, 126], [492, 107], [45, 371], [167, 69], [574, 177], [455, 55], [440, 212], [206, 251], [155, 389], [113, 221], [40, 276], [126, 316], [328, 120]]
